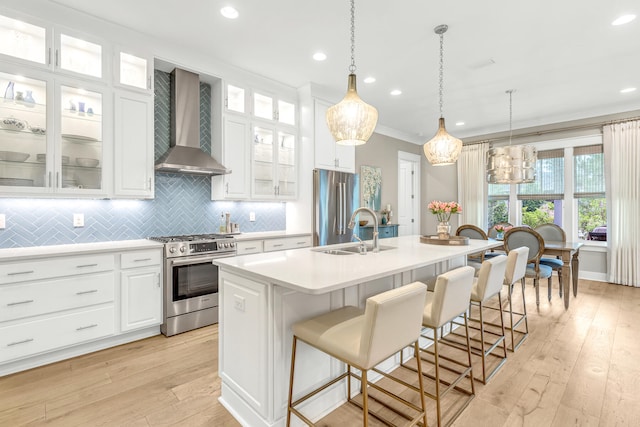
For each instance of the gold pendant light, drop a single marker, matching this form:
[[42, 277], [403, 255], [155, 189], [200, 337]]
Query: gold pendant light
[[513, 164], [352, 121], [442, 149]]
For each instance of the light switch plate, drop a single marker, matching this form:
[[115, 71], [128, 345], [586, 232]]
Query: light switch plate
[[3, 222], [78, 220]]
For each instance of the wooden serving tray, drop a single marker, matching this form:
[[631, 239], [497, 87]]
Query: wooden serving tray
[[452, 240]]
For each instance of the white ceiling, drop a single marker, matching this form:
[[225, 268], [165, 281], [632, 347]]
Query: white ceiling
[[563, 57]]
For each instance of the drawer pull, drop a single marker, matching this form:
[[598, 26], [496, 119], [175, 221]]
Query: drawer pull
[[301, 243], [250, 248], [82, 328], [142, 259], [86, 265], [16, 273], [27, 301], [92, 291], [278, 245], [19, 342]]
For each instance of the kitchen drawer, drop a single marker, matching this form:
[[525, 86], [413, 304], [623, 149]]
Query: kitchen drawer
[[249, 247], [140, 258], [35, 337], [287, 243], [33, 299], [16, 272]]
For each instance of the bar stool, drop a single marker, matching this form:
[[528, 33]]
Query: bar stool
[[516, 269], [449, 299], [363, 339], [473, 232]]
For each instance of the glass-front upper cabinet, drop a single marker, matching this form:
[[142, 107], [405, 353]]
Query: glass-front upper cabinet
[[274, 164], [23, 133], [81, 135], [270, 108], [235, 99], [23, 40], [133, 71], [78, 55]]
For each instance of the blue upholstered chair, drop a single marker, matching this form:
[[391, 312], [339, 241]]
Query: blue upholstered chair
[[525, 236], [551, 232]]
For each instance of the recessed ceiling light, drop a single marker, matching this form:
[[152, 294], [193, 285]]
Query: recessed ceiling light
[[396, 92], [369, 79], [627, 90], [319, 56], [459, 123], [229, 12], [624, 19]]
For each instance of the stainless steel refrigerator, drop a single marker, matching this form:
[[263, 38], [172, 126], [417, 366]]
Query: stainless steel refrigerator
[[335, 197]]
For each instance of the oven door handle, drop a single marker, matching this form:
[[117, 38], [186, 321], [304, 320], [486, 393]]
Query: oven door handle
[[197, 260]]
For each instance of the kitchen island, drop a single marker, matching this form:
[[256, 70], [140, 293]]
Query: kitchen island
[[262, 295]]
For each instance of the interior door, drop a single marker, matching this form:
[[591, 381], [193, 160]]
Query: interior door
[[408, 213]]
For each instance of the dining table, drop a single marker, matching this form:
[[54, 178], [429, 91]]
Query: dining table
[[568, 253]]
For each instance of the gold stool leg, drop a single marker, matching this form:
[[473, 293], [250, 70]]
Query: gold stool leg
[[466, 329], [293, 363], [416, 349], [365, 399]]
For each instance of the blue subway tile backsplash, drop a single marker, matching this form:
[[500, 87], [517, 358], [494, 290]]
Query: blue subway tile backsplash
[[182, 203]]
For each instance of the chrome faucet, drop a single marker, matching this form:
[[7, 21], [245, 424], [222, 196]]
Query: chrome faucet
[[352, 224]]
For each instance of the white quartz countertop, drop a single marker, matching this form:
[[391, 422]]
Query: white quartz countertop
[[268, 235], [310, 271], [13, 254]]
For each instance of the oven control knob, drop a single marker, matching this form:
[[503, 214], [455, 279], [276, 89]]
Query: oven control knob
[[231, 244], [182, 249], [172, 250], [226, 245]]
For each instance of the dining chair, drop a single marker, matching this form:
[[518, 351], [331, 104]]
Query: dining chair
[[473, 232], [552, 232], [526, 236]]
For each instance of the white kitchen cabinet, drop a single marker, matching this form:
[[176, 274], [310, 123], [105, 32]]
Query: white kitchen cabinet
[[235, 98], [246, 247], [274, 174], [78, 54], [140, 289], [133, 145], [235, 153], [328, 154], [285, 243], [24, 40], [133, 70]]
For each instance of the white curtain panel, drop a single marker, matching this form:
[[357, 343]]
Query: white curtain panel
[[472, 190], [622, 169]]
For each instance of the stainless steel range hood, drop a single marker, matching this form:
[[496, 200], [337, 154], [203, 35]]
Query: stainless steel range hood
[[184, 154]]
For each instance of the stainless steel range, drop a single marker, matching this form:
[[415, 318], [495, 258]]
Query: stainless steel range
[[191, 280]]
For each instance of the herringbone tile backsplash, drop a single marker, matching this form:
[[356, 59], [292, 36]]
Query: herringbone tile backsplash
[[182, 203]]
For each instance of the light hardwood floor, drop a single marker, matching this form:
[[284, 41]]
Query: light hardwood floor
[[578, 367]]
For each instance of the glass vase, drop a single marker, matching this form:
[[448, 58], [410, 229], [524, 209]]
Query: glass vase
[[500, 235], [444, 230]]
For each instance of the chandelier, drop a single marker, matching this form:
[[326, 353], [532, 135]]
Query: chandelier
[[352, 121], [442, 149], [512, 164]]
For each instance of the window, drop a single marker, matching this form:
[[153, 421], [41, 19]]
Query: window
[[542, 199], [589, 191], [498, 203]]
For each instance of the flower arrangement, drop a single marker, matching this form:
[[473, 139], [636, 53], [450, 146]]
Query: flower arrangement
[[444, 210], [501, 228]]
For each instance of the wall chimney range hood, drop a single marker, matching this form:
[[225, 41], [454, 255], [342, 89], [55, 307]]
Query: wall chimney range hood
[[184, 154]]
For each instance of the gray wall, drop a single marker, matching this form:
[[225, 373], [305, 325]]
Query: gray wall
[[382, 151]]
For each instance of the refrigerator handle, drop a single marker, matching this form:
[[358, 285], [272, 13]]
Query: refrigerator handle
[[344, 207], [339, 210]]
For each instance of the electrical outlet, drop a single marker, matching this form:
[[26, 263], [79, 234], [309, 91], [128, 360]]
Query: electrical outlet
[[3, 222], [78, 220], [238, 303], [252, 216]]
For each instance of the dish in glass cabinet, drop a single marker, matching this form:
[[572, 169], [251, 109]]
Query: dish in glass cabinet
[[78, 138], [11, 123], [38, 130], [87, 162], [42, 157], [13, 156], [16, 182]]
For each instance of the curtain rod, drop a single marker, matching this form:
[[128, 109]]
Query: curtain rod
[[559, 130]]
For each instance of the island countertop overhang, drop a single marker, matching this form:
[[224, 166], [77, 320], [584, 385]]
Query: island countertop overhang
[[310, 271]]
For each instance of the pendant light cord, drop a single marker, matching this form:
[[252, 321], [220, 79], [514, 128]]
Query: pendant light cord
[[352, 67], [510, 92], [441, 71]]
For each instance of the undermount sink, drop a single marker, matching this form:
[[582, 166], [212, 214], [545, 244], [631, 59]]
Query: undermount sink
[[350, 250]]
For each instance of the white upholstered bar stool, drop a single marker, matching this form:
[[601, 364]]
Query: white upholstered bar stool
[[449, 299], [363, 339], [515, 272]]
